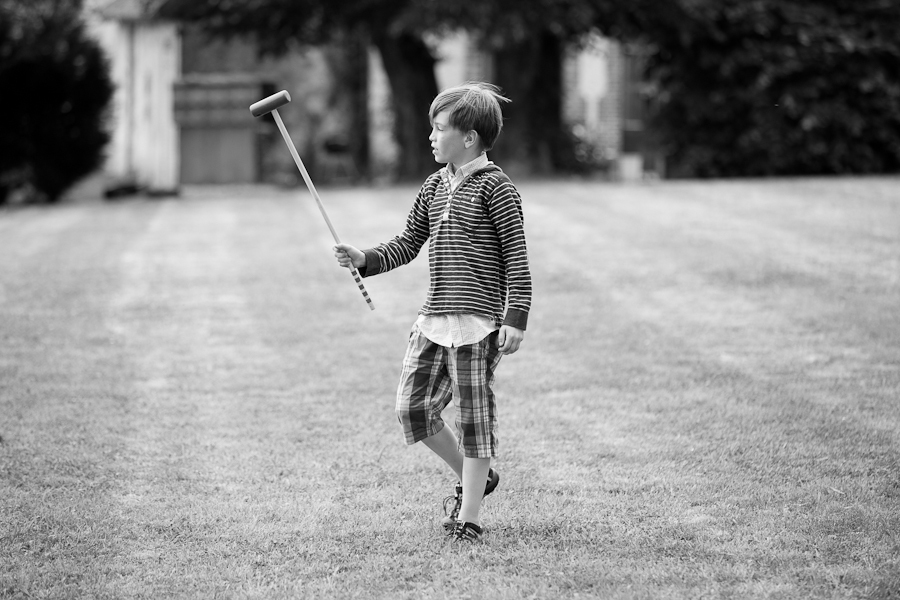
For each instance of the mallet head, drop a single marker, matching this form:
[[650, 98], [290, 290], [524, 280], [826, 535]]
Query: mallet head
[[267, 105]]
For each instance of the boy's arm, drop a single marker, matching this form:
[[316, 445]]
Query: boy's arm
[[404, 247], [505, 212]]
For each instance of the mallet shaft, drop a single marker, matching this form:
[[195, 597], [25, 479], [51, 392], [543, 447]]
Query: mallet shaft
[[315, 194], [304, 173]]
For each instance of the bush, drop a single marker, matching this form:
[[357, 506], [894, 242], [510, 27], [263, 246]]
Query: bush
[[777, 87], [54, 92]]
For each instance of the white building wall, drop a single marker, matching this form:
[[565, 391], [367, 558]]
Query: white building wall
[[112, 38], [145, 61], [157, 66]]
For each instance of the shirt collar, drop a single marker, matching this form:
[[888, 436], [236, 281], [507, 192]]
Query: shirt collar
[[454, 179]]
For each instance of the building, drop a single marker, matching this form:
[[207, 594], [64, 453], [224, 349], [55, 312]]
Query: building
[[145, 59]]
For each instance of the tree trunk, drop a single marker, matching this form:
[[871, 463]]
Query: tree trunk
[[409, 66], [534, 138], [349, 62]]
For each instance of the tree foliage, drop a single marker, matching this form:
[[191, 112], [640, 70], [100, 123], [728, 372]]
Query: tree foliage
[[767, 87], [54, 92], [742, 87], [279, 26], [528, 41], [526, 38]]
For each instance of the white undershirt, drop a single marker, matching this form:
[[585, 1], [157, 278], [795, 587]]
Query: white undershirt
[[458, 329]]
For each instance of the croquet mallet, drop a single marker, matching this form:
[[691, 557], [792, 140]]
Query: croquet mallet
[[270, 105]]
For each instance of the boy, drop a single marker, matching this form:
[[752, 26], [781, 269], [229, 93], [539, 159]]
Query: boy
[[478, 298]]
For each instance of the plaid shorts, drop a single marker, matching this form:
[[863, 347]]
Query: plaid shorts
[[433, 375]]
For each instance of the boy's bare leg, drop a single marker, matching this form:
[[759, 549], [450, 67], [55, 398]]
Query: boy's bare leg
[[474, 474], [444, 444]]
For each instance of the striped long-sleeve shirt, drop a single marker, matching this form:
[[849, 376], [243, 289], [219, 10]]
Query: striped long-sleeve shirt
[[477, 254]]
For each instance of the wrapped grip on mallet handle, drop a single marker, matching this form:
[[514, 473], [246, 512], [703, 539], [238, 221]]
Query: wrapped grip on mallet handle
[[267, 105]]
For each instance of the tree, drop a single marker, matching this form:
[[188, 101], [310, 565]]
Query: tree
[[769, 87], [280, 25], [56, 90], [527, 40]]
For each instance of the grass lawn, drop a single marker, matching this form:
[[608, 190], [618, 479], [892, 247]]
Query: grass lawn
[[195, 401]]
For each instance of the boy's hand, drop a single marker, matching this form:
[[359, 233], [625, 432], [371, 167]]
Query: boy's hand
[[347, 255], [510, 339]]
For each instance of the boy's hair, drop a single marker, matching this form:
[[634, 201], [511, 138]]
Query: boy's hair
[[473, 105]]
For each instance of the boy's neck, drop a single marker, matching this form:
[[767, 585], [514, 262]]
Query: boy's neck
[[469, 157]]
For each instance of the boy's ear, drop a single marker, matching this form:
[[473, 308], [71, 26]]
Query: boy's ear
[[471, 138]]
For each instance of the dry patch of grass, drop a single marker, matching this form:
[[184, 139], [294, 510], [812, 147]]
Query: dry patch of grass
[[194, 401]]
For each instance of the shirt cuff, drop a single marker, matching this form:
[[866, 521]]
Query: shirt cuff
[[373, 263], [517, 318]]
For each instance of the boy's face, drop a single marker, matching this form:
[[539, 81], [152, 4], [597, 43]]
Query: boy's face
[[449, 144]]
